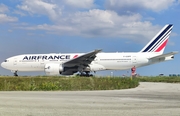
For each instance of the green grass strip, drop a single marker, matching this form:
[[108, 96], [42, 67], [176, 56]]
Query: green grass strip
[[166, 79], [65, 83]]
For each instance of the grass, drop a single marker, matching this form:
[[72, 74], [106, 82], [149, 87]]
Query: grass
[[45, 83], [166, 79]]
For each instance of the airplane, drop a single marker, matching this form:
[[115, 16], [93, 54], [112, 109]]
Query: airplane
[[85, 63]]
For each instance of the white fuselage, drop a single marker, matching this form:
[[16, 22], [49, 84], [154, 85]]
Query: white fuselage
[[103, 61], [68, 64]]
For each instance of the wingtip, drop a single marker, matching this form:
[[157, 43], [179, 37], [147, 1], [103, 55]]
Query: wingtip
[[98, 50]]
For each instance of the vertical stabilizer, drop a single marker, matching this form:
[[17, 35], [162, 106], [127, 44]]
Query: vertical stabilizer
[[159, 41]]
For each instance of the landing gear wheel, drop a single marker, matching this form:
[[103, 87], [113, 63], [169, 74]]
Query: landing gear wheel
[[85, 74], [15, 74]]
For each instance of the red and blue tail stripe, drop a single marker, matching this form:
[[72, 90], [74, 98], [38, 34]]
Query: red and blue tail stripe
[[158, 43]]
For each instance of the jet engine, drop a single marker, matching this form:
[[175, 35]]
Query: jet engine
[[53, 69]]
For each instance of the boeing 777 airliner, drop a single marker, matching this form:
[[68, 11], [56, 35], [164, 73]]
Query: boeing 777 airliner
[[84, 63]]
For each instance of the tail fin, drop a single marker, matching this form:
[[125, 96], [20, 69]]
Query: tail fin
[[158, 43]]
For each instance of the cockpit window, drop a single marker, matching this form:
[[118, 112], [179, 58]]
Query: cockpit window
[[5, 61]]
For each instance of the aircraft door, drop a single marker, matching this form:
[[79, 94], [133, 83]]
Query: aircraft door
[[15, 61], [134, 59]]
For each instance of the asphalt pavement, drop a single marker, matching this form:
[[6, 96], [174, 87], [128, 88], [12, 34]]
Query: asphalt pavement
[[148, 99]]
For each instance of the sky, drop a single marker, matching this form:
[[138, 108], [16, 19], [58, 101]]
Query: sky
[[68, 26]]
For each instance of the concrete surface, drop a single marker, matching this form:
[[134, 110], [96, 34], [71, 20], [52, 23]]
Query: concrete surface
[[149, 99]]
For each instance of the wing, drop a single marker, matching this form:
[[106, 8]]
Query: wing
[[164, 55], [83, 60]]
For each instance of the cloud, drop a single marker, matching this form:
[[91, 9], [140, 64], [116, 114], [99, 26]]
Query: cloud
[[9, 30], [92, 22], [100, 23], [3, 8], [54, 8], [129, 6], [19, 13], [5, 18], [86, 4], [40, 7]]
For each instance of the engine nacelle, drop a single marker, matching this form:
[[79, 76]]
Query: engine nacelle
[[53, 69]]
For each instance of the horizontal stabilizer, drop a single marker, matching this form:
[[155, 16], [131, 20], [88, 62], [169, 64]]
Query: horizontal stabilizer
[[164, 55]]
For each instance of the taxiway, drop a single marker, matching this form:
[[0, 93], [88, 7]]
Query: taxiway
[[148, 99]]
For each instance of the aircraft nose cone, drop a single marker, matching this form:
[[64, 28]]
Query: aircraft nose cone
[[3, 64]]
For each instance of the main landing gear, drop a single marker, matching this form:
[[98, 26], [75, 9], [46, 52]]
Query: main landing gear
[[85, 74]]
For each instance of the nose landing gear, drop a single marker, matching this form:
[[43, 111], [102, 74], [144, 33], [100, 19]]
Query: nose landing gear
[[15, 73]]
